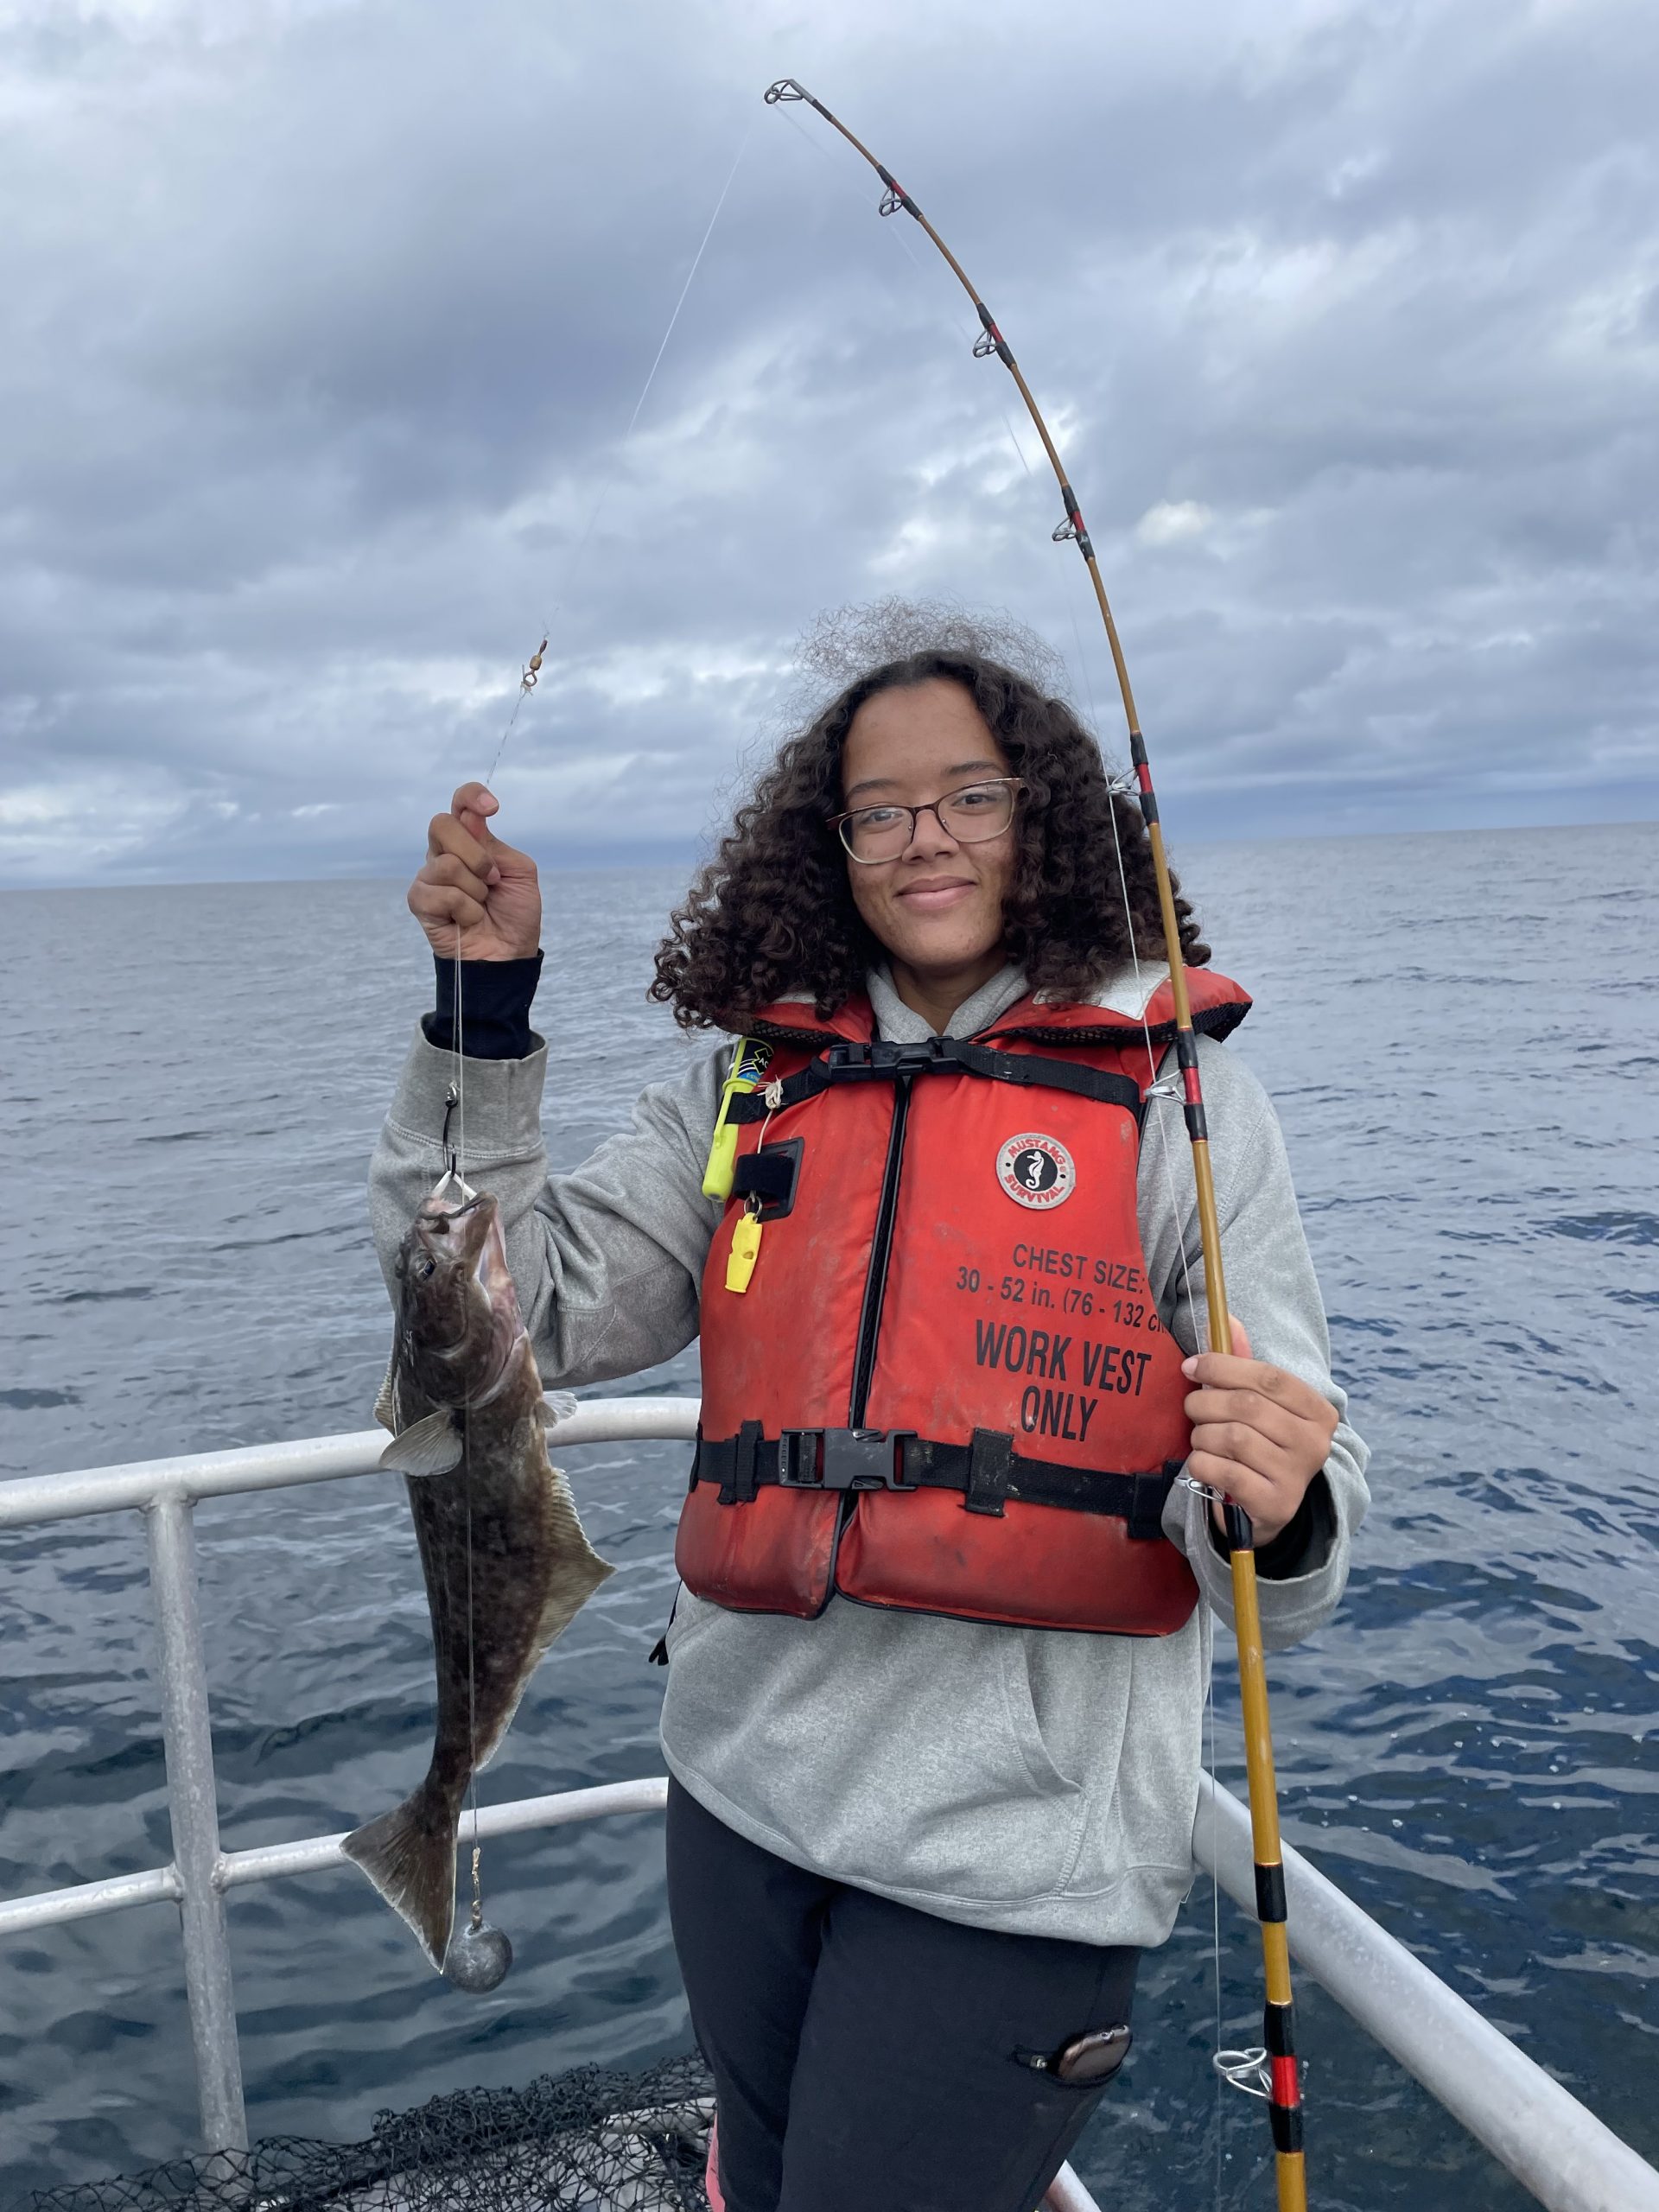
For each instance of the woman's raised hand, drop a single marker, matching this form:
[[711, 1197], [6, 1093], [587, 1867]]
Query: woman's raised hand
[[472, 879]]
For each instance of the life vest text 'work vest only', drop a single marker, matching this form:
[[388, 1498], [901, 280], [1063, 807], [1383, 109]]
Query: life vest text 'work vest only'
[[934, 1374]]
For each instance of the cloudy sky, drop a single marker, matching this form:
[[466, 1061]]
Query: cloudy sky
[[324, 322]]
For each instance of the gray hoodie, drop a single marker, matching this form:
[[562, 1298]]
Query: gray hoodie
[[1031, 1780]]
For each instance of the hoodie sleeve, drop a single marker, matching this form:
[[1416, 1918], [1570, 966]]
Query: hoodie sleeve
[[607, 1259], [1272, 1288]]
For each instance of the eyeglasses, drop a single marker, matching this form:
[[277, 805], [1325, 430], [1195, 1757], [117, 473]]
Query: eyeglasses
[[968, 816]]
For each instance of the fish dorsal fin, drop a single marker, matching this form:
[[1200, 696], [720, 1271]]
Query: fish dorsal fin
[[432, 1447], [581, 1571]]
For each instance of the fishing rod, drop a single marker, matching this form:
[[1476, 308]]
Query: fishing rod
[[1284, 2086]]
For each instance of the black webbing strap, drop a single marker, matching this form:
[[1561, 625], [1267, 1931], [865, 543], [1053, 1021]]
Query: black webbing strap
[[989, 1472], [879, 1062]]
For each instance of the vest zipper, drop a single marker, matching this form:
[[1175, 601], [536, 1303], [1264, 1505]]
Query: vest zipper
[[875, 1281]]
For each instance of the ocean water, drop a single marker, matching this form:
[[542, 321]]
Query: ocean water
[[1459, 1031]]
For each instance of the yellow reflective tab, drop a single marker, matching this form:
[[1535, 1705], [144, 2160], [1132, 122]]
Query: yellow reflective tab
[[749, 1062], [746, 1250]]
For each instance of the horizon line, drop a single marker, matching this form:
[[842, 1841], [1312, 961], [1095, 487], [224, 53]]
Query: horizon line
[[674, 856]]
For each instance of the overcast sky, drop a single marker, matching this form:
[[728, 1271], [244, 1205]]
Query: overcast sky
[[323, 324]]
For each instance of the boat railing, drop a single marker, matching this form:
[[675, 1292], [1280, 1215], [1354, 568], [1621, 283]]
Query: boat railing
[[1553, 2146]]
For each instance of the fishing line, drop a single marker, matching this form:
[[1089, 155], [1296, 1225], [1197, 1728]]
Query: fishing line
[[844, 184], [460, 1158], [1200, 1334], [527, 682], [477, 1913], [1218, 2075], [1218, 2122], [1200, 1339], [458, 1087], [1157, 1096], [459, 1083], [455, 1176], [1217, 2052], [456, 1163], [725, 191], [964, 329]]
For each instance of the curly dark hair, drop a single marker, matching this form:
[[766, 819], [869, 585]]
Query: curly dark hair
[[772, 912]]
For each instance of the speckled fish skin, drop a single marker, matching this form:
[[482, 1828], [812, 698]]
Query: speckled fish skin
[[507, 1561]]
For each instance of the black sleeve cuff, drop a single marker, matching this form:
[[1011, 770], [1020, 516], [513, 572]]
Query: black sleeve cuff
[[1301, 1546], [496, 997]]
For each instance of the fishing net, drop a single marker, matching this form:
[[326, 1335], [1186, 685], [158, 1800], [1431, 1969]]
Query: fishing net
[[589, 2141]]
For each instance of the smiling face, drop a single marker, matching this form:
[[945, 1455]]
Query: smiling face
[[937, 907]]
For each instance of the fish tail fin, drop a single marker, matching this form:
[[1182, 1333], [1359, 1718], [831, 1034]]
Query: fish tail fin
[[409, 1854]]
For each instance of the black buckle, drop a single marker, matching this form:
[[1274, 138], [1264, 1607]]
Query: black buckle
[[797, 1459], [853, 1459], [926, 1052], [863, 1459], [876, 1059]]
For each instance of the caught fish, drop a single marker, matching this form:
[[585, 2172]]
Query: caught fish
[[507, 1561]]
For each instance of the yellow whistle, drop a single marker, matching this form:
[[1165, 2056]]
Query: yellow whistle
[[746, 1250]]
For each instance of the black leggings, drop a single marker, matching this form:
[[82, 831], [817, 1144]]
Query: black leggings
[[868, 2056]]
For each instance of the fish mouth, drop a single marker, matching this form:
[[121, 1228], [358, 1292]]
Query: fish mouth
[[460, 1233]]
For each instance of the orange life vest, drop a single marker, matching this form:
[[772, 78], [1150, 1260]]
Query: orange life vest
[[942, 1386]]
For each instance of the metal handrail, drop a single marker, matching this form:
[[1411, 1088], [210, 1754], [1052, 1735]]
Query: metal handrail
[[1553, 2144], [28, 1499], [1558, 2150]]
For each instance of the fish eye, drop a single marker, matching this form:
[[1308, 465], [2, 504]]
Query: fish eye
[[429, 1266]]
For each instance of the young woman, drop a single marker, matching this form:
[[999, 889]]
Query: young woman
[[936, 1675]]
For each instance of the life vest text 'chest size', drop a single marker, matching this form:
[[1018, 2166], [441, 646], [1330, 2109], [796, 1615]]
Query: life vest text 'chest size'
[[942, 1385]]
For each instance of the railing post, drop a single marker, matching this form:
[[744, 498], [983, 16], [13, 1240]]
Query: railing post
[[193, 1808]]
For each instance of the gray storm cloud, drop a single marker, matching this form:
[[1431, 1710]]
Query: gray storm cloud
[[324, 325]]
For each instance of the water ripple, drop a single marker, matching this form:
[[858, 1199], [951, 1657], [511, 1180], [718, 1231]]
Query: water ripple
[[1472, 1749]]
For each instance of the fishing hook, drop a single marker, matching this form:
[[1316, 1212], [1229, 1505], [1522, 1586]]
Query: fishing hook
[[451, 1100], [1284, 2096]]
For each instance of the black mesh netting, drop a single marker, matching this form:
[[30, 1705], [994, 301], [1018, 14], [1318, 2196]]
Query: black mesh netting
[[589, 2141]]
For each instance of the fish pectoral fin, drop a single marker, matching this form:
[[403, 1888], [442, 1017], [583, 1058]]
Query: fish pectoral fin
[[385, 1404], [432, 1447], [556, 1406]]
